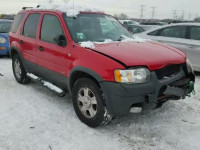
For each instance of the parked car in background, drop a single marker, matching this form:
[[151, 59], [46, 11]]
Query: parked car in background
[[184, 36], [107, 72], [5, 26], [128, 22], [154, 23], [135, 29]]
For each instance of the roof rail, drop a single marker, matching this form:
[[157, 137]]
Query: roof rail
[[25, 8]]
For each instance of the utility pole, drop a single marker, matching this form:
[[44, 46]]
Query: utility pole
[[142, 11], [183, 15], [189, 16], [153, 11], [175, 14], [50, 1], [65, 1], [196, 15]]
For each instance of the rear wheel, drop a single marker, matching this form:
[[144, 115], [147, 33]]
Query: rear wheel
[[89, 104], [19, 70]]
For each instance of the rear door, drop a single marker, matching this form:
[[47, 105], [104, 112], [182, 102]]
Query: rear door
[[174, 36], [28, 37], [193, 47], [51, 57]]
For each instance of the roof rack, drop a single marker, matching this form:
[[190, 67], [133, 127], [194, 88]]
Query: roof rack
[[25, 8]]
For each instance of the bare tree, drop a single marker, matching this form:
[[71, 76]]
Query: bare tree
[[123, 16], [116, 16], [197, 19]]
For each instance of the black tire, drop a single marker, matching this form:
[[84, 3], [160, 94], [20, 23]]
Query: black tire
[[22, 77], [102, 117]]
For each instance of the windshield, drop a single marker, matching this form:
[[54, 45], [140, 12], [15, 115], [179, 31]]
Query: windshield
[[95, 28], [5, 27]]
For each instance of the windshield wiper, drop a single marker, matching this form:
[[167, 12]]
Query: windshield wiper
[[121, 38]]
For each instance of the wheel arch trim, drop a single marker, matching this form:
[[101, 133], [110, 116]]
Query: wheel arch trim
[[85, 70], [13, 49]]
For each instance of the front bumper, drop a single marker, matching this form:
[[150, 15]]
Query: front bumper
[[120, 98]]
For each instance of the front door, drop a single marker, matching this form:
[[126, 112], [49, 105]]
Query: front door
[[51, 58], [193, 47]]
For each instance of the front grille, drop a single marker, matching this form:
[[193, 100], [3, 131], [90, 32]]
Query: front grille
[[168, 71]]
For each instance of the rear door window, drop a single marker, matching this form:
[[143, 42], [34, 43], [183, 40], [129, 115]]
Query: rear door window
[[175, 32], [31, 26], [17, 22], [195, 33], [51, 28]]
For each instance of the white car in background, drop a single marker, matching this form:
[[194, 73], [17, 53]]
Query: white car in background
[[184, 36], [129, 22]]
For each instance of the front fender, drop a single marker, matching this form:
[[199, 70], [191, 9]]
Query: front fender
[[83, 70]]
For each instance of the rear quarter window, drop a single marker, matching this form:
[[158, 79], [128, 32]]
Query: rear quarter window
[[17, 22], [195, 33]]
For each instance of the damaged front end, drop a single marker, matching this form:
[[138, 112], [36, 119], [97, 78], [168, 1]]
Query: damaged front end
[[173, 82], [179, 89]]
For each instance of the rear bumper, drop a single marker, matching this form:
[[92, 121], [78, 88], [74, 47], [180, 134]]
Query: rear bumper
[[4, 50], [120, 97]]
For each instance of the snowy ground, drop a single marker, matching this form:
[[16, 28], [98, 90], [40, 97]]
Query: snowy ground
[[34, 118]]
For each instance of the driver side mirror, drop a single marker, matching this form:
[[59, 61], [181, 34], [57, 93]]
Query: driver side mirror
[[60, 40]]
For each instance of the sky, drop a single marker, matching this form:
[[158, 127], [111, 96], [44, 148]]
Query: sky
[[164, 8]]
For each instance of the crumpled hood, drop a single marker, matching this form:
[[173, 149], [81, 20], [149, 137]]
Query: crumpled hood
[[150, 54]]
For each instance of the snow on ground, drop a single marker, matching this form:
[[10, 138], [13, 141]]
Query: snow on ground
[[34, 118]]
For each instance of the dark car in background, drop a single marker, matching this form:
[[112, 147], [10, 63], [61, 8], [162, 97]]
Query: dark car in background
[[5, 26], [154, 23]]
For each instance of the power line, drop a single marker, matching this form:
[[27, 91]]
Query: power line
[[153, 11], [142, 11]]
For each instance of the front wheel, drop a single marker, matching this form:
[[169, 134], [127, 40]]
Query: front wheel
[[19, 70], [89, 104]]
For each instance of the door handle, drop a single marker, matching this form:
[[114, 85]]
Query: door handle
[[191, 46], [21, 42], [40, 48]]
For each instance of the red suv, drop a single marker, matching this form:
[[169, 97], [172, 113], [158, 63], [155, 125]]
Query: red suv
[[107, 76]]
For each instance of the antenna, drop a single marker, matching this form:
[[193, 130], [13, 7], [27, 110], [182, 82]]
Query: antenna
[[25, 8], [73, 25]]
